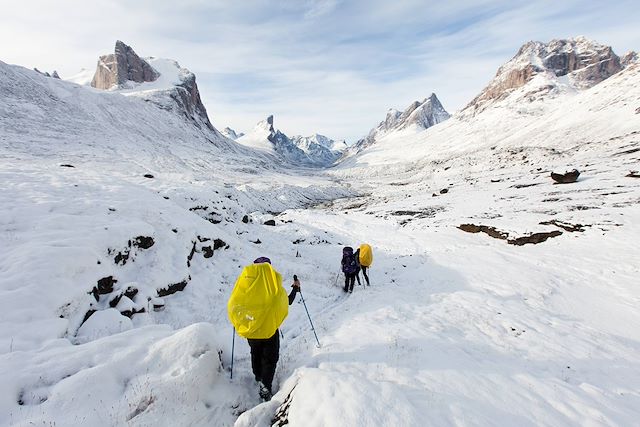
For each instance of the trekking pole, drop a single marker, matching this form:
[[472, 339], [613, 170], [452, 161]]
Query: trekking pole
[[308, 315], [233, 345]]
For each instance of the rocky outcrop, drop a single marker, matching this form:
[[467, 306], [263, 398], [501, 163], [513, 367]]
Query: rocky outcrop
[[187, 98], [420, 114], [231, 134], [46, 74], [628, 59], [177, 92], [116, 69], [565, 178], [580, 62]]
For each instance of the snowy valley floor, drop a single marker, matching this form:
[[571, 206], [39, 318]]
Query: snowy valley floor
[[456, 328]]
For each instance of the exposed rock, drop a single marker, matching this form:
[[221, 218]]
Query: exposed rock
[[67, 166], [218, 243], [173, 288], [420, 114], [245, 219], [148, 175], [87, 315], [122, 257], [207, 251], [46, 74], [124, 69], [629, 58], [565, 178], [270, 222], [143, 242], [525, 185], [103, 287], [131, 312], [534, 238], [491, 231], [187, 98], [232, 134], [633, 174], [519, 241], [444, 191], [587, 63], [116, 69], [190, 256], [565, 225]]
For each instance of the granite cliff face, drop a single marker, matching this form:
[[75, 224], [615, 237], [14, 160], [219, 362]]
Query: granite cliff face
[[420, 115], [577, 63], [121, 67], [160, 81]]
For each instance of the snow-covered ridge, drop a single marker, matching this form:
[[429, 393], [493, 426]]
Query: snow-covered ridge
[[548, 70], [315, 150], [231, 134], [160, 81], [418, 116]]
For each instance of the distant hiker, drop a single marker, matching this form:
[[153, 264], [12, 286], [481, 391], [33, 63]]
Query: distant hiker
[[349, 268], [365, 259], [257, 307], [358, 267]]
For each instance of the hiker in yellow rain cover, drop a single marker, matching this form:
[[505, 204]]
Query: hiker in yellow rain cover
[[257, 307], [364, 254]]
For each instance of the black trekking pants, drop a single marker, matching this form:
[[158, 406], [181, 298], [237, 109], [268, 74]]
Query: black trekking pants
[[364, 273], [264, 358], [349, 281]]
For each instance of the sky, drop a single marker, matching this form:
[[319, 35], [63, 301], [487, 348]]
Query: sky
[[319, 66]]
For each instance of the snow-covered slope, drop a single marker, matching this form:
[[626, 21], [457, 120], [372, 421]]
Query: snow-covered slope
[[109, 205], [497, 296], [470, 318]]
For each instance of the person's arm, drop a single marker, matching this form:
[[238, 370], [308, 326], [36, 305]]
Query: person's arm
[[294, 290]]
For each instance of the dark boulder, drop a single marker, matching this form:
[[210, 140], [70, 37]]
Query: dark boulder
[[565, 178], [270, 222], [143, 242]]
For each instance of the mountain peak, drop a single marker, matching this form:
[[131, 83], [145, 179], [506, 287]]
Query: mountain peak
[[585, 63], [419, 115], [122, 66]]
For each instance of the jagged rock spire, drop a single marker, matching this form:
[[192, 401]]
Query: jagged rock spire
[[116, 69]]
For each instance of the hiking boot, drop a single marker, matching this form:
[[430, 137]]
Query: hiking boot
[[264, 392]]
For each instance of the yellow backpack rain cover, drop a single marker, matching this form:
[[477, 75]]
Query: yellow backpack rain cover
[[366, 255], [258, 304]]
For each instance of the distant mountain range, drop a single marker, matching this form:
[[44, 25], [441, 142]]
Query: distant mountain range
[[314, 150], [534, 78]]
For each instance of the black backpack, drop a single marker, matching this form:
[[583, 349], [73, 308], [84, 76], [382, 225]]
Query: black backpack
[[349, 261]]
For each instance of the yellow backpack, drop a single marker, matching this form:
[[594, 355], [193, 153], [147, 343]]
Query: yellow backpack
[[258, 304], [366, 255]]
